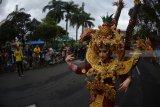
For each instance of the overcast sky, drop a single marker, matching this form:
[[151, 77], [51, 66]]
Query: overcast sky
[[97, 8]]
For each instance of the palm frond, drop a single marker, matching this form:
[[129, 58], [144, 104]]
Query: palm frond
[[107, 18], [22, 9], [46, 7]]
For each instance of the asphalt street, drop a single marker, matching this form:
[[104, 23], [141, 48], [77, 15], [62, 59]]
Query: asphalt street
[[57, 86]]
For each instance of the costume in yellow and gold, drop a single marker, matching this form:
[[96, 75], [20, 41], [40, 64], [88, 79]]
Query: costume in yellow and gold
[[119, 66]]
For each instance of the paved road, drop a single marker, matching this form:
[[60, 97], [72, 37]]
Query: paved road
[[57, 86], [54, 86]]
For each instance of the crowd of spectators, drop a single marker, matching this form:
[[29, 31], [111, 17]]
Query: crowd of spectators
[[36, 56]]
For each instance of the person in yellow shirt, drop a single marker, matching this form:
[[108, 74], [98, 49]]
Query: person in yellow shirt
[[18, 54], [37, 51]]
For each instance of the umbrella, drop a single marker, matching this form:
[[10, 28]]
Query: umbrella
[[36, 42]]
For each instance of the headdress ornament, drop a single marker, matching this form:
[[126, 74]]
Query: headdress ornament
[[106, 34]]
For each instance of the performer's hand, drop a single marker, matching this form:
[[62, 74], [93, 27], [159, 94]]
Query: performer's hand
[[70, 58], [154, 58], [124, 86], [92, 99]]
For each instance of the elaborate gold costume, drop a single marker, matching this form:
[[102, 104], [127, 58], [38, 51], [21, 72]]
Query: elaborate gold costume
[[107, 34], [119, 64]]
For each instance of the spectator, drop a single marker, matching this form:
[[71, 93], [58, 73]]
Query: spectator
[[30, 57], [37, 51], [19, 57]]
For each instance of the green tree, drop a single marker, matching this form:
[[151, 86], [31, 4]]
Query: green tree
[[76, 20], [81, 18], [15, 25], [69, 8], [59, 10], [86, 20], [32, 28], [55, 10], [14, 13], [148, 22], [7, 32], [20, 21], [48, 30]]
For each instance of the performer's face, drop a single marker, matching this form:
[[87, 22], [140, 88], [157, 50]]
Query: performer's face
[[103, 53]]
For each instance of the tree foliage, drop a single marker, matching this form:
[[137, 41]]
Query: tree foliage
[[148, 16], [15, 25], [81, 18], [48, 30], [59, 10]]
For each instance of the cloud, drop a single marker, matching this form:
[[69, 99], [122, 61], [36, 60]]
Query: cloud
[[33, 7], [96, 8], [7, 7], [2, 8], [101, 8]]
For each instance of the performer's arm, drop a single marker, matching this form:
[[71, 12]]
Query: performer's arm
[[125, 84], [126, 81], [74, 67], [127, 78]]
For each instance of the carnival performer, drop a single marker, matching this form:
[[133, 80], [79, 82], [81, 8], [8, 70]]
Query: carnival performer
[[102, 69]]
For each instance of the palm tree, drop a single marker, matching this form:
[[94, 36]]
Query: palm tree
[[59, 10], [86, 20], [32, 26], [69, 8], [55, 10], [76, 19], [81, 18], [20, 20], [14, 13]]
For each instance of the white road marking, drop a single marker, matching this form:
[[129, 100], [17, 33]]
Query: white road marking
[[33, 105], [138, 71]]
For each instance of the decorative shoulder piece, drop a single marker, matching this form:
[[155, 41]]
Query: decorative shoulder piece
[[144, 44]]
